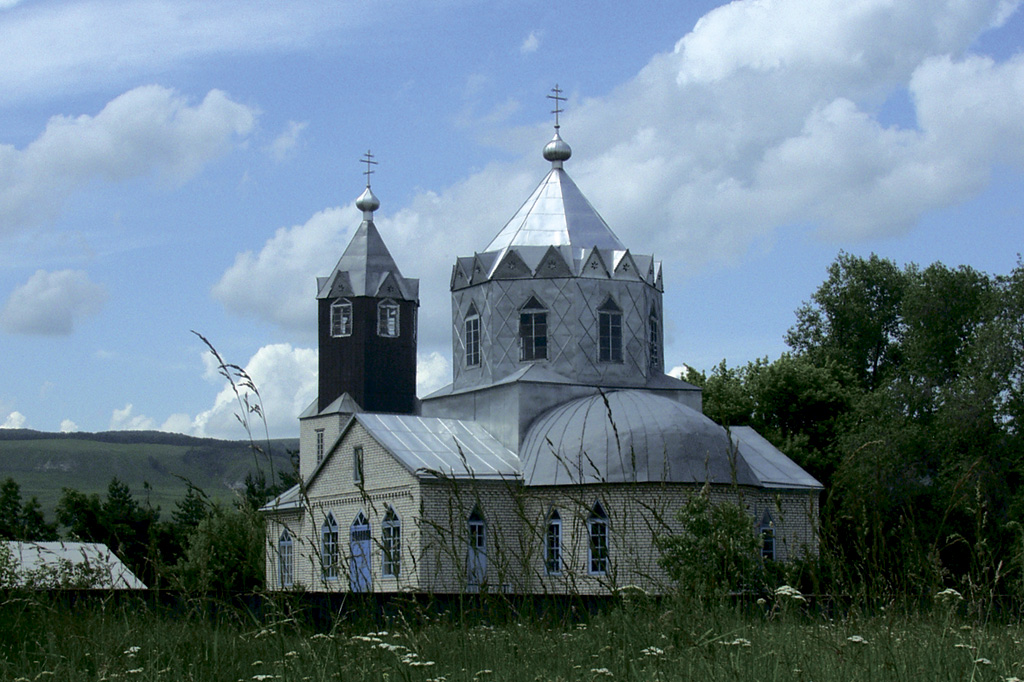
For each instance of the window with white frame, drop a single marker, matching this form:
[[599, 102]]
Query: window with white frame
[[319, 445], [476, 559], [472, 337], [533, 331], [285, 559], [609, 331], [329, 550], [357, 464], [597, 532], [767, 531], [341, 318], [391, 544], [387, 318], [553, 545]]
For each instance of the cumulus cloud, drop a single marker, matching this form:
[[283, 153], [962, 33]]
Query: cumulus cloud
[[15, 420], [287, 381], [284, 145], [51, 303], [433, 370], [68, 426], [150, 129], [124, 420], [767, 114], [278, 284], [531, 43]]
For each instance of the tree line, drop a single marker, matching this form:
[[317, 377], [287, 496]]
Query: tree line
[[903, 393], [203, 546]]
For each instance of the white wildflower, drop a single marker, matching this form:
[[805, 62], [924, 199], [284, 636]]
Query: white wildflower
[[131, 651], [602, 671], [791, 592], [949, 595], [982, 661], [652, 651], [964, 646], [739, 641], [320, 635], [134, 671], [857, 639]]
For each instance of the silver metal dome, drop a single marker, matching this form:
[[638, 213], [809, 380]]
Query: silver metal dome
[[367, 202], [629, 436], [557, 150]]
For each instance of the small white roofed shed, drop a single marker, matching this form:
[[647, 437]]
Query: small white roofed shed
[[100, 564]]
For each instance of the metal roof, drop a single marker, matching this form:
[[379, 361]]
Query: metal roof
[[364, 268], [556, 214], [451, 447], [31, 556], [771, 467], [629, 436]]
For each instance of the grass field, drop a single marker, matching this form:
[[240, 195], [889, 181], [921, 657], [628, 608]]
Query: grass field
[[626, 640], [44, 464]]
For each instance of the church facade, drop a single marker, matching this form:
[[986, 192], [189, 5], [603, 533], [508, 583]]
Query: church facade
[[557, 456]]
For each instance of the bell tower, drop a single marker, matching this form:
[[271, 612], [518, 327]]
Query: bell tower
[[367, 322]]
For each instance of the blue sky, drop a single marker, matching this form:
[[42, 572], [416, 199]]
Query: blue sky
[[172, 165]]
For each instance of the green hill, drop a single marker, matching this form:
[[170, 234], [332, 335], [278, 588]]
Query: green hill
[[44, 464]]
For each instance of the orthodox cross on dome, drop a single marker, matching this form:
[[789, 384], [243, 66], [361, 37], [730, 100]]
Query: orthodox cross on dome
[[557, 97], [368, 160]]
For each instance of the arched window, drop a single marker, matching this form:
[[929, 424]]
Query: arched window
[[597, 531], [391, 544], [609, 326], [472, 337], [285, 559], [533, 331], [387, 318], [553, 545], [476, 558], [341, 318], [359, 551], [329, 554], [767, 531], [653, 333]]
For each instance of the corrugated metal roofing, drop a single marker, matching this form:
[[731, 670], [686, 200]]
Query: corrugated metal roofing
[[450, 447], [363, 268]]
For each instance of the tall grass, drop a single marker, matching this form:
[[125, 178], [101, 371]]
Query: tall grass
[[627, 639]]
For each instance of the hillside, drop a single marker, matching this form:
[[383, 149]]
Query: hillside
[[44, 464]]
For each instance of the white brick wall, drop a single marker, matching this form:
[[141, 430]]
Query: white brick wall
[[434, 521]]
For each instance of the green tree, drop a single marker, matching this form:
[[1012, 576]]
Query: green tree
[[717, 551], [224, 552]]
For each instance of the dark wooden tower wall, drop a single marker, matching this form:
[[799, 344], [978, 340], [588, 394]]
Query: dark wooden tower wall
[[378, 372]]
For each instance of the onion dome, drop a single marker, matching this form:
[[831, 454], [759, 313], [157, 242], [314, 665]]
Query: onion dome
[[367, 203], [557, 150]]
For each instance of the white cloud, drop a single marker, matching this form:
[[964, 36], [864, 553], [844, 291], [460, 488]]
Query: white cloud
[[108, 41], [531, 43], [433, 370], [145, 130], [765, 115], [51, 303], [68, 426], [284, 145], [15, 420], [287, 381], [279, 284], [124, 420]]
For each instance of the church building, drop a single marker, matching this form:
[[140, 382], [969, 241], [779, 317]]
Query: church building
[[559, 453]]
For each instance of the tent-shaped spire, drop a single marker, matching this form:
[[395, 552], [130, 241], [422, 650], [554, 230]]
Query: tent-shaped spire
[[556, 214], [366, 262]]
